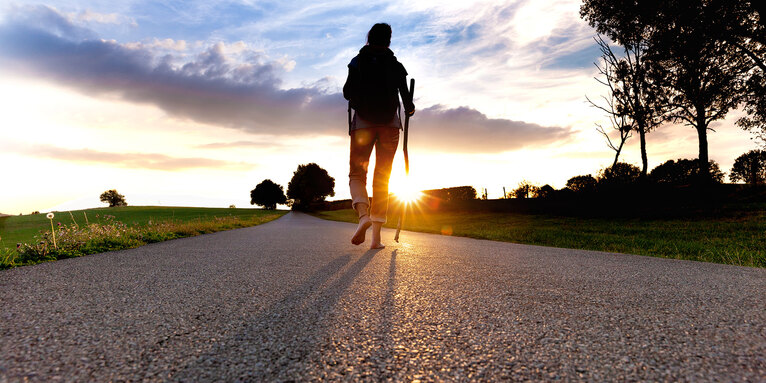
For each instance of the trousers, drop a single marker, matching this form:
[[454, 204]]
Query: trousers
[[385, 139]]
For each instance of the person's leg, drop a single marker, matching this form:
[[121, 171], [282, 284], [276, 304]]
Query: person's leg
[[377, 242], [362, 141], [385, 149]]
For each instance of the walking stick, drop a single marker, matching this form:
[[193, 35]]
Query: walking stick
[[406, 159], [349, 118]]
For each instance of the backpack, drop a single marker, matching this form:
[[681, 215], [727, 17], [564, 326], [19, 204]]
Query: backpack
[[376, 97]]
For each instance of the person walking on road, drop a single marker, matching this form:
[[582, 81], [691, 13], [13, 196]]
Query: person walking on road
[[375, 81]]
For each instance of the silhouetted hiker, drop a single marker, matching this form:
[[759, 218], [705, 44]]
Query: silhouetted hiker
[[375, 79]]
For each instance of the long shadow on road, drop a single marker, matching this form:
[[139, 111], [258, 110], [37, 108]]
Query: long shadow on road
[[384, 355], [275, 343]]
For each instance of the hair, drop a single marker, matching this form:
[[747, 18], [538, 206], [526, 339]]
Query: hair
[[379, 34]]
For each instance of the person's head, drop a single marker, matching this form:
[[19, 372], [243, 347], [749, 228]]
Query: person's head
[[380, 35]]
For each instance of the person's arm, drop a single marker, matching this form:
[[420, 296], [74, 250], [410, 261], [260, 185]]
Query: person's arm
[[409, 107], [349, 89]]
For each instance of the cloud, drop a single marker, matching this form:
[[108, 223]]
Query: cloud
[[166, 44], [509, 71], [467, 130], [102, 18], [239, 144], [42, 17], [229, 85], [151, 161]]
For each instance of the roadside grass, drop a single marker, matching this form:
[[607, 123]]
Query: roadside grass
[[26, 240], [738, 239]]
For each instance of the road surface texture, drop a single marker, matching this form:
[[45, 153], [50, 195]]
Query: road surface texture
[[294, 300]]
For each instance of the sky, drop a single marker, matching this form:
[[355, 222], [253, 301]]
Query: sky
[[193, 103]]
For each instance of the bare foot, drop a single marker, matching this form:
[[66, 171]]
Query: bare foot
[[377, 245], [376, 242], [361, 230]]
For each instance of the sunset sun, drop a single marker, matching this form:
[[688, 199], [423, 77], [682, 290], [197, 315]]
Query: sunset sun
[[407, 193]]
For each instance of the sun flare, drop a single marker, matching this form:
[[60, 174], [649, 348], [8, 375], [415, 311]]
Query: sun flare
[[408, 194]]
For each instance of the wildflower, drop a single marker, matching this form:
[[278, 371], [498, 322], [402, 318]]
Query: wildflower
[[53, 231]]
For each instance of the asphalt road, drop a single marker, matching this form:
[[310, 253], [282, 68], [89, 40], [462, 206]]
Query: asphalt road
[[294, 300]]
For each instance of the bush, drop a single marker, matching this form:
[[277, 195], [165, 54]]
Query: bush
[[618, 175], [749, 168], [459, 193], [544, 191], [525, 190], [582, 184], [683, 172]]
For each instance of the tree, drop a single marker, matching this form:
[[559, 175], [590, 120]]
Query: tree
[[750, 168], [525, 190], [544, 191], [617, 120], [631, 103], [755, 107], [702, 75], [310, 183], [634, 92], [582, 184], [742, 24], [619, 174], [268, 194], [683, 172], [113, 198]]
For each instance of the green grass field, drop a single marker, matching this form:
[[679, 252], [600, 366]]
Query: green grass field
[[739, 239], [22, 229]]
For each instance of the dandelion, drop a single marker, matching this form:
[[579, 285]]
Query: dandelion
[[50, 217]]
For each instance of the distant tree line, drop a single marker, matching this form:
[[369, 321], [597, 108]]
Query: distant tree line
[[460, 193], [680, 61], [311, 184], [749, 168]]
